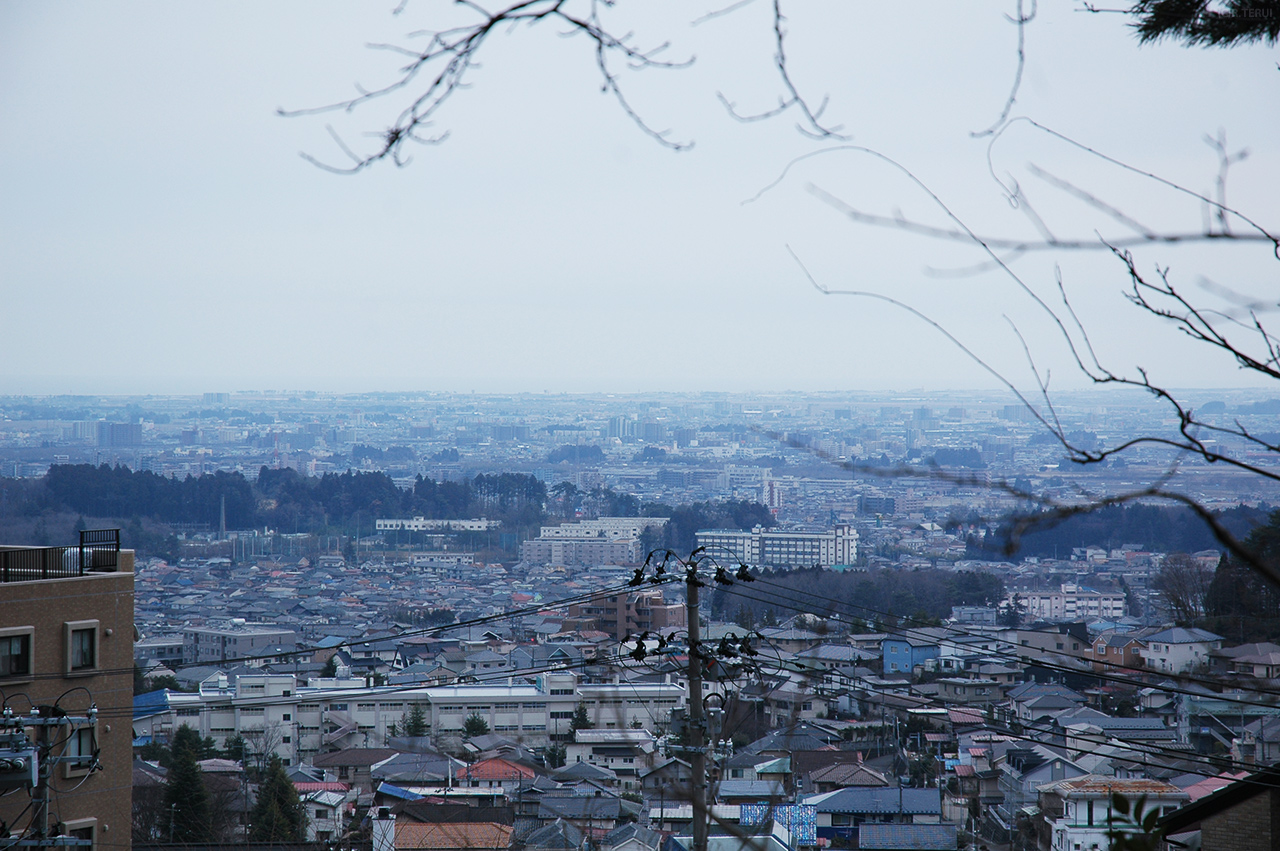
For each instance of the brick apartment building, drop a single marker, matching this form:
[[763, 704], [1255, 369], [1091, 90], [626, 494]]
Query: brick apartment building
[[621, 615], [66, 642]]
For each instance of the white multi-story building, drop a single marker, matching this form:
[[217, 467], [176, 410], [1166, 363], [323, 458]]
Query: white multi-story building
[[761, 546], [608, 540], [422, 524], [608, 528], [1069, 602], [273, 714]]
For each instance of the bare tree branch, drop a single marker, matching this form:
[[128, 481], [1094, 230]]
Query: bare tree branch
[[441, 68], [812, 124], [1020, 20]]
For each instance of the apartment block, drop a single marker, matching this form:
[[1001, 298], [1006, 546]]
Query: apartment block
[[766, 547], [66, 646]]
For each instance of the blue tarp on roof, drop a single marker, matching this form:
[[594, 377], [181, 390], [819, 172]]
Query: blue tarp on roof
[[393, 791], [151, 703]]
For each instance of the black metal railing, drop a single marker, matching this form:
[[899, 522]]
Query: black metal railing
[[98, 552]]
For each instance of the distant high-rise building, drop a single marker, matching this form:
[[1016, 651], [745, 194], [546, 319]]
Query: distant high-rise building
[[119, 434]]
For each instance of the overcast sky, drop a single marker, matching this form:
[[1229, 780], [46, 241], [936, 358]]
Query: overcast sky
[[159, 232]]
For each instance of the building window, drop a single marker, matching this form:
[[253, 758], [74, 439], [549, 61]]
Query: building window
[[82, 646], [15, 652], [85, 828], [81, 743]]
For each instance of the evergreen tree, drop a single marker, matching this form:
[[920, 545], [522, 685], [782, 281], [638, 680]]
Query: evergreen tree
[[235, 748], [414, 722], [474, 726], [278, 815], [330, 668], [185, 798], [581, 720]]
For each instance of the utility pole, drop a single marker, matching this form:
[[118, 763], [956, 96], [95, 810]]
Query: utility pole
[[697, 720], [696, 726], [29, 765]]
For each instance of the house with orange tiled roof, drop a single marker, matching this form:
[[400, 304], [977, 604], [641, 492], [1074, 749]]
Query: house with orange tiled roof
[[452, 836], [495, 773]]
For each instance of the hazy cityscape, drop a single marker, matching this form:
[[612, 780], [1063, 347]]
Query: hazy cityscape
[[740, 426], [455, 617]]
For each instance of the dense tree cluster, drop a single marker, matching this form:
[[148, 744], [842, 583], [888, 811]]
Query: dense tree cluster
[[920, 596], [107, 491], [1162, 528], [1240, 603], [576, 454], [282, 498]]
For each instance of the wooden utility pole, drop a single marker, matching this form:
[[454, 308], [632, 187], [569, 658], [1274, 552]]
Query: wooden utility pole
[[697, 719]]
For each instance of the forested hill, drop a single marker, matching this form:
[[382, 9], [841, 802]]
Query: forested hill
[[340, 503], [1153, 527], [282, 499], [879, 598]]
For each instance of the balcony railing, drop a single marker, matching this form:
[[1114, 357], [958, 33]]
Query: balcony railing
[[97, 552]]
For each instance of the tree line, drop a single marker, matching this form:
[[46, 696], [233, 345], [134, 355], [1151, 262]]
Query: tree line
[[1159, 527], [345, 503], [881, 599], [1231, 599]]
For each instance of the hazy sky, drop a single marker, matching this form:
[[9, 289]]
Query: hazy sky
[[159, 231]]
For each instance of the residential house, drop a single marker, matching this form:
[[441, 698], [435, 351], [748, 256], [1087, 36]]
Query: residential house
[[1180, 649], [353, 765], [1074, 813], [628, 752], [1117, 652], [904, 652], [841, 813], [975, 692], [1259, 661]]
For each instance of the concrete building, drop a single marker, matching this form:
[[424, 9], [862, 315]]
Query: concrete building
[[210, 645], [66, 642], [273, 714], [621, 615], [422, 524], [764, 547], [607, 540], [1069, 602]]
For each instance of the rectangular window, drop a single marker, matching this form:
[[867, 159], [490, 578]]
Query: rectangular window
[[85, 828], [80, 743], [15, 652], [82, 646]]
